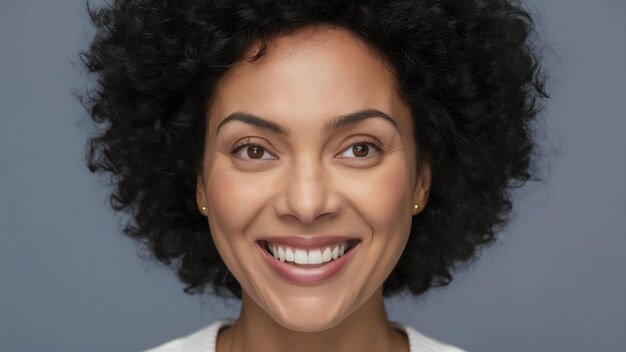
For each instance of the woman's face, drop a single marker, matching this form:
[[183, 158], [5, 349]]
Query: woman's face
[[308, 150]]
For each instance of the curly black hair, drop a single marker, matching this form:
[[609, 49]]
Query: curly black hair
[[469, 71]]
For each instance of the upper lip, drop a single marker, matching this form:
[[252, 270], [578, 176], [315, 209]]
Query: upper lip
[[308, 241]]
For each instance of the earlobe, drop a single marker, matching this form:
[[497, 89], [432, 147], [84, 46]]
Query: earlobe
[[200, 194], [422, 187]]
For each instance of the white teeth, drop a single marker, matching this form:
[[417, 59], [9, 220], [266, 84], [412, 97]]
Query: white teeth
[[326, 255], [313, 256], [335, 253], [301, 257], [289, 255], [281, 254]]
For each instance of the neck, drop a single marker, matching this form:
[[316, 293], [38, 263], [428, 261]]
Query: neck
[[367, 329]]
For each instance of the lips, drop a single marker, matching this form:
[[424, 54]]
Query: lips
[[306, 257], [307, 260]]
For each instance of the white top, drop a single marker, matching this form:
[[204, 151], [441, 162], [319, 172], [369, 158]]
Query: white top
[[204, 340]]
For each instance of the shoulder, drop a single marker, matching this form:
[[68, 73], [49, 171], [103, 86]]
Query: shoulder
[[201, 340], [419, 342]]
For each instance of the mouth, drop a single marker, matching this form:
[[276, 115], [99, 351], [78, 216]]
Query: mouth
[[308, 258], [307, 266]]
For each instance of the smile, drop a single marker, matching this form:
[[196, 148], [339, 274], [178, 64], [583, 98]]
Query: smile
[[308, 257], [307, 266]]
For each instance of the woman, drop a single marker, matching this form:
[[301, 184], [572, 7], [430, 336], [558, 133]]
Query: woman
[[311, 157]]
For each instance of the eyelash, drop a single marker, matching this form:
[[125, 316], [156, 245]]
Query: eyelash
[[368, 141], [246, 142]]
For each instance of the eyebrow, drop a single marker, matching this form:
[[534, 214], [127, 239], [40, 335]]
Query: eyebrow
[[334, 124]]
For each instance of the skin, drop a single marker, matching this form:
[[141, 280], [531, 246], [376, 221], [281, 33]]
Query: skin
[[311, 183]]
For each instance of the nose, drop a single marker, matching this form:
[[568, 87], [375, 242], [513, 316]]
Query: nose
[[307, 192]]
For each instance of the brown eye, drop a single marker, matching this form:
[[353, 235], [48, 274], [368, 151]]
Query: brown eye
[[252, 152], [362, 149], [255, 152]]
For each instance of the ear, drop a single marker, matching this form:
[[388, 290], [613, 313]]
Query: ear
[[201, 193], [422, 185]]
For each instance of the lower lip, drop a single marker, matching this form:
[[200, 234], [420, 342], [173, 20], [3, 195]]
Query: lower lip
[[307, 276]]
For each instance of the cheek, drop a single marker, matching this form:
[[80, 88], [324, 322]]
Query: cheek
[[384, 198], [231, 200]]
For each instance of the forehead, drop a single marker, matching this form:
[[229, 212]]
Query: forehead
[[311, 74]]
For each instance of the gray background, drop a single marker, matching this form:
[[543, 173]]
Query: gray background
[[555, 281]]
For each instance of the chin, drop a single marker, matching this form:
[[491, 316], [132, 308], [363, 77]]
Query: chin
[[307, 316], [308, 324]]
